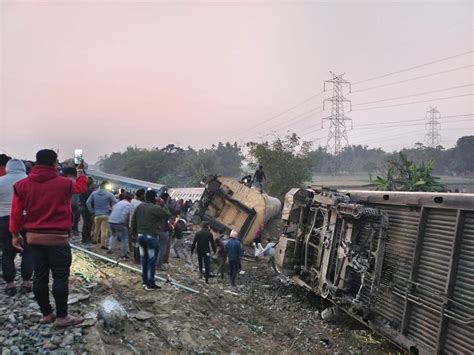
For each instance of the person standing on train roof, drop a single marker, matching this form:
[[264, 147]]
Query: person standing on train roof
[[259, 178], [41, 206], [100, 203], [147, 226]]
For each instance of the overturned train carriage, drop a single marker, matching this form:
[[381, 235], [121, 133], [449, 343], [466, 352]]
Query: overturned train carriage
[[230, 205], [402, 263]]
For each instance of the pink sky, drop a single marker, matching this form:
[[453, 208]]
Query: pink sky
[[102, 75]]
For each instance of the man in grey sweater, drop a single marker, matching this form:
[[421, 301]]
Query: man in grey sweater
[[15, 171], [100, 203]]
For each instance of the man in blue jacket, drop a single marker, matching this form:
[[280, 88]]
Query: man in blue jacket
[[100, 203], [233, 251]]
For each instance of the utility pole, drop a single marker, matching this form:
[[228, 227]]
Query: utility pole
[[433, 138], [337, 136]]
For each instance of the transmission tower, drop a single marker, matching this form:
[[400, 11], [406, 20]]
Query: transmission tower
[[433, 138], [337, 136]]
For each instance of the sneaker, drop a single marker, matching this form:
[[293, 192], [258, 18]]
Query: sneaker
[[152, 287]]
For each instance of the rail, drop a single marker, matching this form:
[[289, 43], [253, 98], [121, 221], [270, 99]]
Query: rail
[[131, 268]]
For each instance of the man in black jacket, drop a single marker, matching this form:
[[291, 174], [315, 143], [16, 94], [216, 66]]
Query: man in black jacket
[[202, 239]]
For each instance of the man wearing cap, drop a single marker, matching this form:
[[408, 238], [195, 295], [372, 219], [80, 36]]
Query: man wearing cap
[[233, 250], [202, 240]]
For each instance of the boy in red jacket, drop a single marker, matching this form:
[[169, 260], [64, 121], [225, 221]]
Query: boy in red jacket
[[42, 207]]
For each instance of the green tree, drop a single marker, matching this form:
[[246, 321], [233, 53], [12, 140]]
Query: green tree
[[462, 154], [286, 163], [405, 175]]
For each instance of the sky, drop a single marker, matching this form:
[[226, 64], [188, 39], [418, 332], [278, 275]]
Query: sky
[[104, 75]]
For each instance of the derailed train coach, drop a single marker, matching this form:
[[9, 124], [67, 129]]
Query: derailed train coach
[[400, 262]]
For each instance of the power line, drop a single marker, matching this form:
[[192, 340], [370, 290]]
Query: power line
[[415, 78], [412, 95], [303, 116], [414, 120], [413, 102], [414, 67], [409, 125], [281, 113]]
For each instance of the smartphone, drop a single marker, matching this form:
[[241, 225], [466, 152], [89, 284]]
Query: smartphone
[[77, 156]]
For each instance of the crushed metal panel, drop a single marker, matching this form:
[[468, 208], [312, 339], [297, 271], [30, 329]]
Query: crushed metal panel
[[418, 290], [460, 327]]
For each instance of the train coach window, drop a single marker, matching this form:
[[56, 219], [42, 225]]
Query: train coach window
[[438, 199], [386, 197]]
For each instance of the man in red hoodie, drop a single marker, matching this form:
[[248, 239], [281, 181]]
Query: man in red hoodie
[[42, 207]]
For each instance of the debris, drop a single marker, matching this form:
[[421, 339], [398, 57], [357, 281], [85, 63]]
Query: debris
[[231, 292], [330, 314], [142, 315], [112, 313], [74, 298]]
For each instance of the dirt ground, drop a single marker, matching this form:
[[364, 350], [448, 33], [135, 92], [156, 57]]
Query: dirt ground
[[265, 314]]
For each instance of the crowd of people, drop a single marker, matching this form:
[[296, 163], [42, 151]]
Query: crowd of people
[[42, 204]]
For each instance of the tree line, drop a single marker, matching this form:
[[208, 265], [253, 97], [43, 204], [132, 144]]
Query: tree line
[[288, 162], [362, 159]]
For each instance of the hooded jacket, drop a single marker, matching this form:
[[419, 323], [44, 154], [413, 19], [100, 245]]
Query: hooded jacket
[[15, 171], [45, 197]]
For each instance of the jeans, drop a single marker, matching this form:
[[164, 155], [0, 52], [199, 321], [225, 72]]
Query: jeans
[[9, 254], [58, 260], [149, 249], [120, 232], [87, 220], [101, 230], [163, 249], [233, 270], [206, 260]]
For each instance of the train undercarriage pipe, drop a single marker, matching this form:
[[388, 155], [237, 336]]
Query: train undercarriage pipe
[[131, 268]]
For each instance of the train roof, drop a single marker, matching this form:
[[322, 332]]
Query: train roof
[[186, 193], [126, 181]]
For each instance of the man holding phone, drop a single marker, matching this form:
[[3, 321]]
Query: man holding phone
[[41, 206]]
